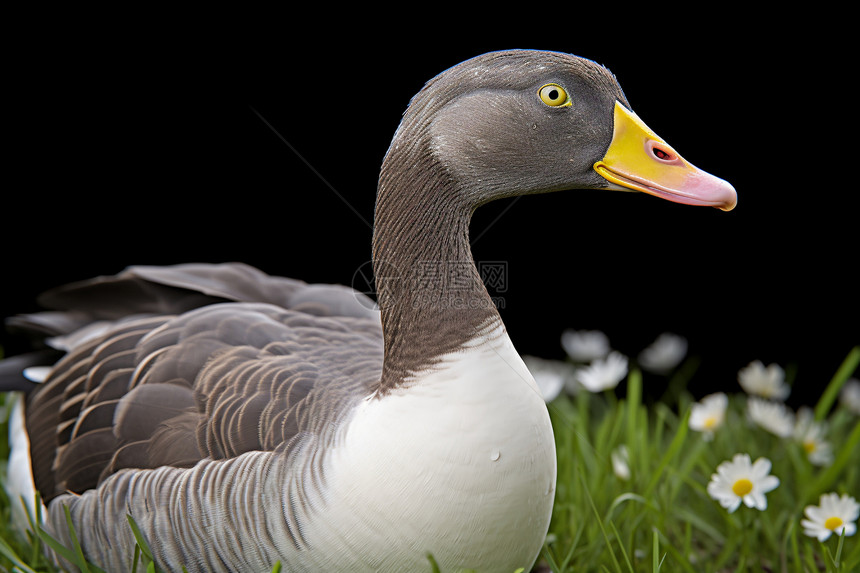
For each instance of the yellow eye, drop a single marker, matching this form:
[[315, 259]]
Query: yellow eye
[[554, 95]]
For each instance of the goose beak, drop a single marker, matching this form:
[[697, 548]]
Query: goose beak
[[638, 159]]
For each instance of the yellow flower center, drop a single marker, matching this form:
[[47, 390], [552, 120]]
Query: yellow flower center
[[832, 523], [809, 446], [742, 487], [710, 422]]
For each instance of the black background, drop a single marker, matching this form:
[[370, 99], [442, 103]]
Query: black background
[[141, 145]]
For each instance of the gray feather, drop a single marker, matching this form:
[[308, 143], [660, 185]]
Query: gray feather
[[150, 389]]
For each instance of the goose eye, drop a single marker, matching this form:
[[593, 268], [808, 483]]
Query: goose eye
[[554, 95]]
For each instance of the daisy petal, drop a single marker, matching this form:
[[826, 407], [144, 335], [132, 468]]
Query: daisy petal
[[833, 514], [761, 467], [769, 483]]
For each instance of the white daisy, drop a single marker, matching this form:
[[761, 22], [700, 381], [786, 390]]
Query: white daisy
[[603, 374], [664, 354], [849, 396], [775, 417], [620, 462], [709, 413], [551, 375], [585, 345], [765, 382], [833, 514], [739, 481], [810, 434]]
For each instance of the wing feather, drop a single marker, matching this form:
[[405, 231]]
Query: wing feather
[[177, 364]]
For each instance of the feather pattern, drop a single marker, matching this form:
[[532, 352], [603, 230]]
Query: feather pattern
[[209, 399], [214, 382]]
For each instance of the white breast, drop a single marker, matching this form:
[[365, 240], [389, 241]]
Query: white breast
[[459, 464], [19, 480]]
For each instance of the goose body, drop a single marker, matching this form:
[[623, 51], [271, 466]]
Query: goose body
[[492, 467], [244, 419]]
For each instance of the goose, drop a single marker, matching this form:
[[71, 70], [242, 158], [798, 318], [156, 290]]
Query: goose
[[244, 419]]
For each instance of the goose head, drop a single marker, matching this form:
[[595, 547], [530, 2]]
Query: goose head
[[523, 122], [499, 125]]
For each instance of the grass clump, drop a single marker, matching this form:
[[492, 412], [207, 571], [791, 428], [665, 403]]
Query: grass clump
[[633, 486], [652, 510]]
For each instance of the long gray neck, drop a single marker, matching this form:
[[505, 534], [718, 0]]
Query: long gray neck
[[431, 297]]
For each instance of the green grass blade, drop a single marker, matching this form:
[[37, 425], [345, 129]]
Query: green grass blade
[[625, 497], [549, 557], [791, 534], [80, 560], [849, 365], [75, 554], [634, 394], [434, 567], [621, 547], [680, 560], [574, 544], [656, 560], [138, 537], [634, 400], [32, 521], [845, 455], [57, 547], [701, 524], [838, 558], [669, 455], [602, 527], [9, 553], [135, 559]]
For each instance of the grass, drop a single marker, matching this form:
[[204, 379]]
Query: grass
[[660, 517]]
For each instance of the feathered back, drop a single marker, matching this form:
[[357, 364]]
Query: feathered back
[[170, 365]]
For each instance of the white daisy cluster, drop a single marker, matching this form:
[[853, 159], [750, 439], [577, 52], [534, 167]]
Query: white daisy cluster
[[766, 389], [741, 481], [592, 364], [598, 367]]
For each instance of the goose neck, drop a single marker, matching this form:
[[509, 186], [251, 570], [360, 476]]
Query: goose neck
[[432, 299]]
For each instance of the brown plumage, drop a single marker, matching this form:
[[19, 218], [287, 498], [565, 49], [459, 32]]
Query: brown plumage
[[231, 376]]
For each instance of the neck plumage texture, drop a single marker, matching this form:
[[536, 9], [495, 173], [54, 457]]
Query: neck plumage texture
[[431, 296]]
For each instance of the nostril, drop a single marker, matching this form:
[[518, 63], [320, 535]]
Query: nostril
[[661, 151], [662, 154]]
